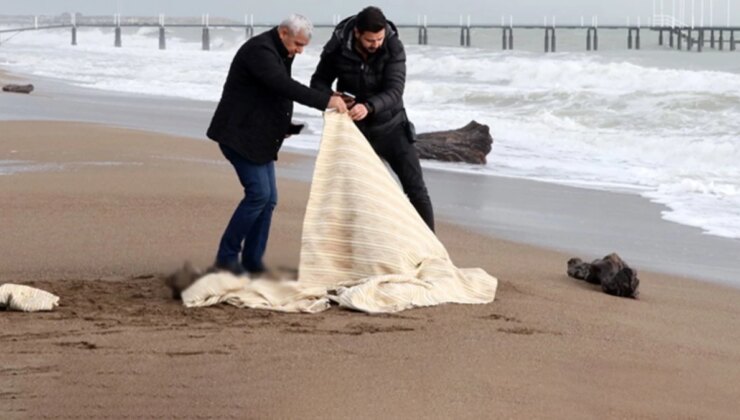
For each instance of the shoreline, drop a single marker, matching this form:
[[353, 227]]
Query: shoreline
[[102, 236]]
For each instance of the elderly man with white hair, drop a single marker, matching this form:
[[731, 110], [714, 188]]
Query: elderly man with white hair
[[251, 121]]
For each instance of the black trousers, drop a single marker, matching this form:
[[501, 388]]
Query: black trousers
[[396, 148]]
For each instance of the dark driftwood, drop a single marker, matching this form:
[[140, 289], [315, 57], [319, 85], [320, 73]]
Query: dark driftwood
[[18, 88], [468, 144], [611, 272]]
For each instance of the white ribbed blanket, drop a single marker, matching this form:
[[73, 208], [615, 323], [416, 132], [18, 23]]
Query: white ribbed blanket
[[18, 297], [364, 246]]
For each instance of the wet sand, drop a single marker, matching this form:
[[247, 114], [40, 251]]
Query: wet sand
[[122, 207], [7, 78]]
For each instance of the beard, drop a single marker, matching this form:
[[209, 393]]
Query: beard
[[368, 51]]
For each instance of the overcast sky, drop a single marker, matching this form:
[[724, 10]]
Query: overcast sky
[[321, 11]]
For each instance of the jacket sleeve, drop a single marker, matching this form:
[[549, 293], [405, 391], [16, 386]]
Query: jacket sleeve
[[265, 66], [394, 79], [326, 71]]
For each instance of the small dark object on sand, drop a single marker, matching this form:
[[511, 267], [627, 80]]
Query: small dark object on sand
[[182, 279], [470, 144], [18, 88], [611, 272], [578, 269], [623, 284]]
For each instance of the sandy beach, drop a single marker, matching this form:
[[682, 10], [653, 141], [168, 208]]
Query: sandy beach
[[115, 209]]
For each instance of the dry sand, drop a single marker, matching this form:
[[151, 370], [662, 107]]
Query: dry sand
[[123, 207]]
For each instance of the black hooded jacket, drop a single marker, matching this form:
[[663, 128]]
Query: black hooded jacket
[[256, 106], [379, 82]]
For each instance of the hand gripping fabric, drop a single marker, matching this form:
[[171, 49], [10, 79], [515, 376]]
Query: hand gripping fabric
[[364, 245]]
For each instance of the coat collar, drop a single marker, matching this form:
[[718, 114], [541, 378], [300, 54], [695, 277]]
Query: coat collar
[[278, 43]]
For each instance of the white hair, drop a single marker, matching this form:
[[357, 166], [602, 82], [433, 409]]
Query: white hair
[[298, 24]]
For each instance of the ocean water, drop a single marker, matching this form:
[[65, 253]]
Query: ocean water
[[656, 122]]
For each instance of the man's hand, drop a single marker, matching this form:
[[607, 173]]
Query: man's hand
[[336, 102], [348, 100], [358, 112]]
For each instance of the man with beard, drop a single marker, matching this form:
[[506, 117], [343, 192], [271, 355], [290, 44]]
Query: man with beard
[[367, 58]]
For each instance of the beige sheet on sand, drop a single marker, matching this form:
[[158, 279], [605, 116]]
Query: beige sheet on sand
[[18, 297], [364, 246]]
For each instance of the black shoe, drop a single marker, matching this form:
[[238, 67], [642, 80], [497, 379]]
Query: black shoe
[[257, 269], [233, 267], [274, 274]]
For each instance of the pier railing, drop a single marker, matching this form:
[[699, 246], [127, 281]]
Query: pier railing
[[667, 21], [680, 35]]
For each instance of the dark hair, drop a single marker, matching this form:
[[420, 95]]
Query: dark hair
[[370, 19]]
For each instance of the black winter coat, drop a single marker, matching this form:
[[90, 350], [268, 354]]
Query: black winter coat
[[256, 105], [379, 82]]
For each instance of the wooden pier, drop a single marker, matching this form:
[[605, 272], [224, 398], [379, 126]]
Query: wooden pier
[[680, 36]]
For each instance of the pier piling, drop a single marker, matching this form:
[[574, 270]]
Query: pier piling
[[206, 38], [507, 38], [162, 40], [117, 21], [422, 29], [595, 37], [423, 36], [465, 36], [679, 39], [249, 26], [550, 40], [690, 40]]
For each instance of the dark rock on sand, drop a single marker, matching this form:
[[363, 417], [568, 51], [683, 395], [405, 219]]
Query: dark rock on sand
[[624, 284], [611, 272], [578, 269], [18, 88], [468, 144]]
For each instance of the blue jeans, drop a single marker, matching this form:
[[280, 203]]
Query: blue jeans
[[250, 223]]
